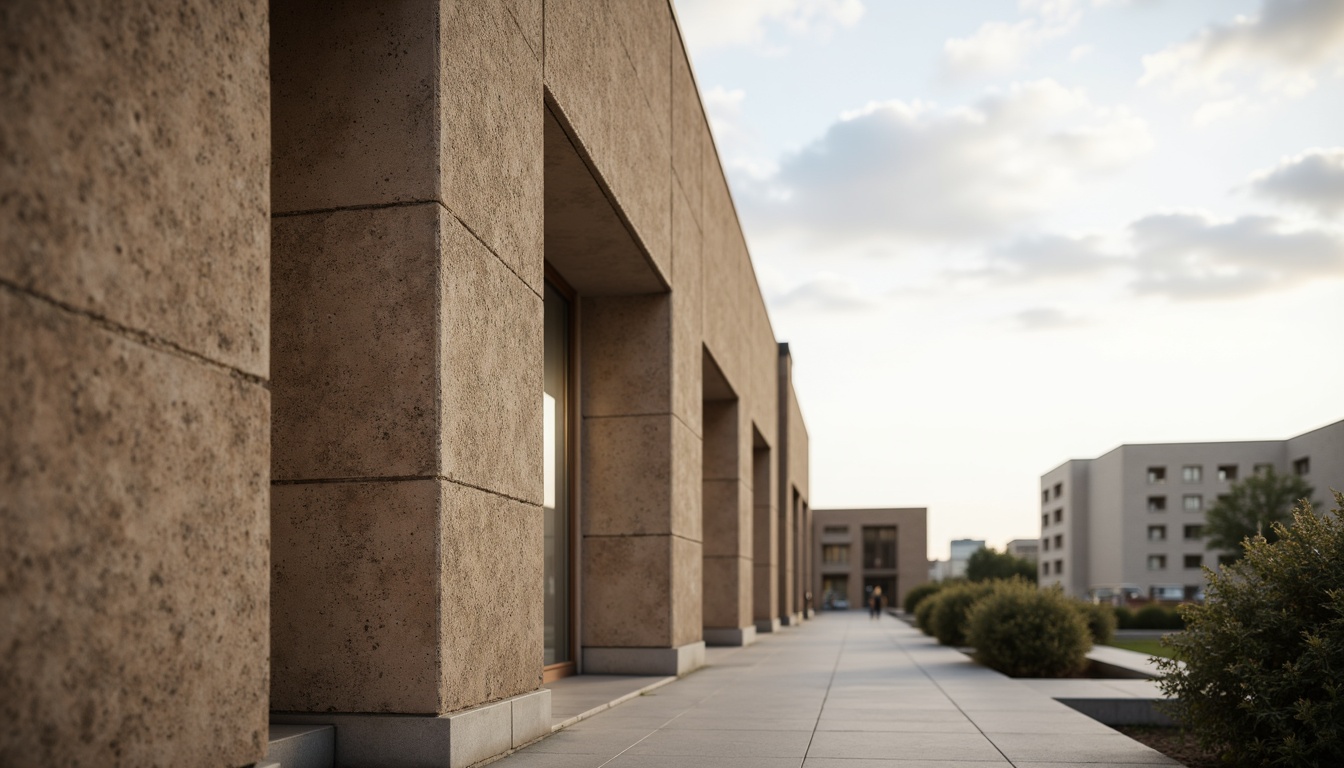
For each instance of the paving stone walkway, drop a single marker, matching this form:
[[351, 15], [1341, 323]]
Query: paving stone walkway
[[841, 691]]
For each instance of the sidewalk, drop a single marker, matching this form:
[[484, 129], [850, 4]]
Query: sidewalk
[[839, 692]]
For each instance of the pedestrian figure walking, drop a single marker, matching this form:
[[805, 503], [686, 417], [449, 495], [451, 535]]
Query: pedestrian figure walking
[[875, 604]]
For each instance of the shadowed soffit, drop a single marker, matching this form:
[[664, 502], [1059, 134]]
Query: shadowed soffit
[[586, 240], [716, 386]]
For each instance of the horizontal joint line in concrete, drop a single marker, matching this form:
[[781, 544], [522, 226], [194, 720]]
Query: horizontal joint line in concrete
[[364, 207], [487, 247], [400, 479], [640, 536], [410, 204], [628, 415], [134, 335]]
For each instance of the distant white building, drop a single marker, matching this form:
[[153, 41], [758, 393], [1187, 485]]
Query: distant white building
[[1027, 549], [955, 567], [1131, 523]]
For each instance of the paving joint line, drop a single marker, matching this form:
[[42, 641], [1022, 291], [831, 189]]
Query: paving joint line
[[891, 635]]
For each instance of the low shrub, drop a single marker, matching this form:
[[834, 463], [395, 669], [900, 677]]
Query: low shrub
[[1101, 621], [1263, 678], [1027, 632], [947, 619], [924, 613], [919, 594], [1153, 616], [1124, 617]]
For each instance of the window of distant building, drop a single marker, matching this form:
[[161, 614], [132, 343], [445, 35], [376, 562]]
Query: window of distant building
[[1194, 561], [1227, 473], [1192, 502], [1059, 567], [1167, 592], [1192, 473], [1194, 532], [1157, 475], [1045, 544], [1045, 495], [1059, 541], [1157, 562], [1059, 490], [1302, 466], [1045, 520], [1045, 569], [1263, 468], [1157, 533], [1157, 503], [1059, 515], [835, 554], [835, 530], [879, 546]]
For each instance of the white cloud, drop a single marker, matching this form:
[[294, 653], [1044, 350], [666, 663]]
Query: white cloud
[[1047, 257], [913, 171], [1046, 319], [710, 24], [1194, 256], [825, 292], [999, 47], [1280, 51], [1080, 52], [1314, 179]]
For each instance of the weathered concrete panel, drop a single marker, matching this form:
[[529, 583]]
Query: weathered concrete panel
[[133, 548], [354, 93], [355, 590], [356, 297], [134, 152], [490, 132], [490, 597], [490, 352]]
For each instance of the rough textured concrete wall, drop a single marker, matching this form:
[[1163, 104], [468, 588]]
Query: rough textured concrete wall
[[728, 521], [134, 203], [408, 335]]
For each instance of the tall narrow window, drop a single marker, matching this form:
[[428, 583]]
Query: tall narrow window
[[555, 477]]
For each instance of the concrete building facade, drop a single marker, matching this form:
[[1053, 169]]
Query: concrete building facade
[[1129, 524], [369, 359], [856, 550]]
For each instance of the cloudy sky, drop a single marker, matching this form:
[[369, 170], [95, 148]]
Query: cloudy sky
[[999, 235]]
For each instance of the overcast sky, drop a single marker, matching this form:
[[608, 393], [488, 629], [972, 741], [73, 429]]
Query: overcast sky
[[999, 235]]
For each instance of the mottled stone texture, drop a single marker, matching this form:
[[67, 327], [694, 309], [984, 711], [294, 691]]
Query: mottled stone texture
[[134, 150], [133, 543], [134, 204], [408, 325]]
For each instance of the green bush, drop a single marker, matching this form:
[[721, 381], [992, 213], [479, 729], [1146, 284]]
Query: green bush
[[948, 616], [919, 594], [1153, 616], [1264, 656], [1124, 617], [1101, 621], [1025, 632], [924, 613]]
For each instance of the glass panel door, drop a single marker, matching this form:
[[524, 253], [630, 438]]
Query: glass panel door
[[555, 472]]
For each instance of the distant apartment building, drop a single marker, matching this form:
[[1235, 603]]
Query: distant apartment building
[[1130, 523], [859, 549], [955, 566], [1027, 549]]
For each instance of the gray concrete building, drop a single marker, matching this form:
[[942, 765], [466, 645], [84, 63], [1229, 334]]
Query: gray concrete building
[[856, 550], [369, 359], [1130, 523]]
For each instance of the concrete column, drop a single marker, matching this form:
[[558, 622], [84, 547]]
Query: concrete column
[[407, 315], [134, 423], [787, 543], [641, 495], [765, 546], [727, 530]]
